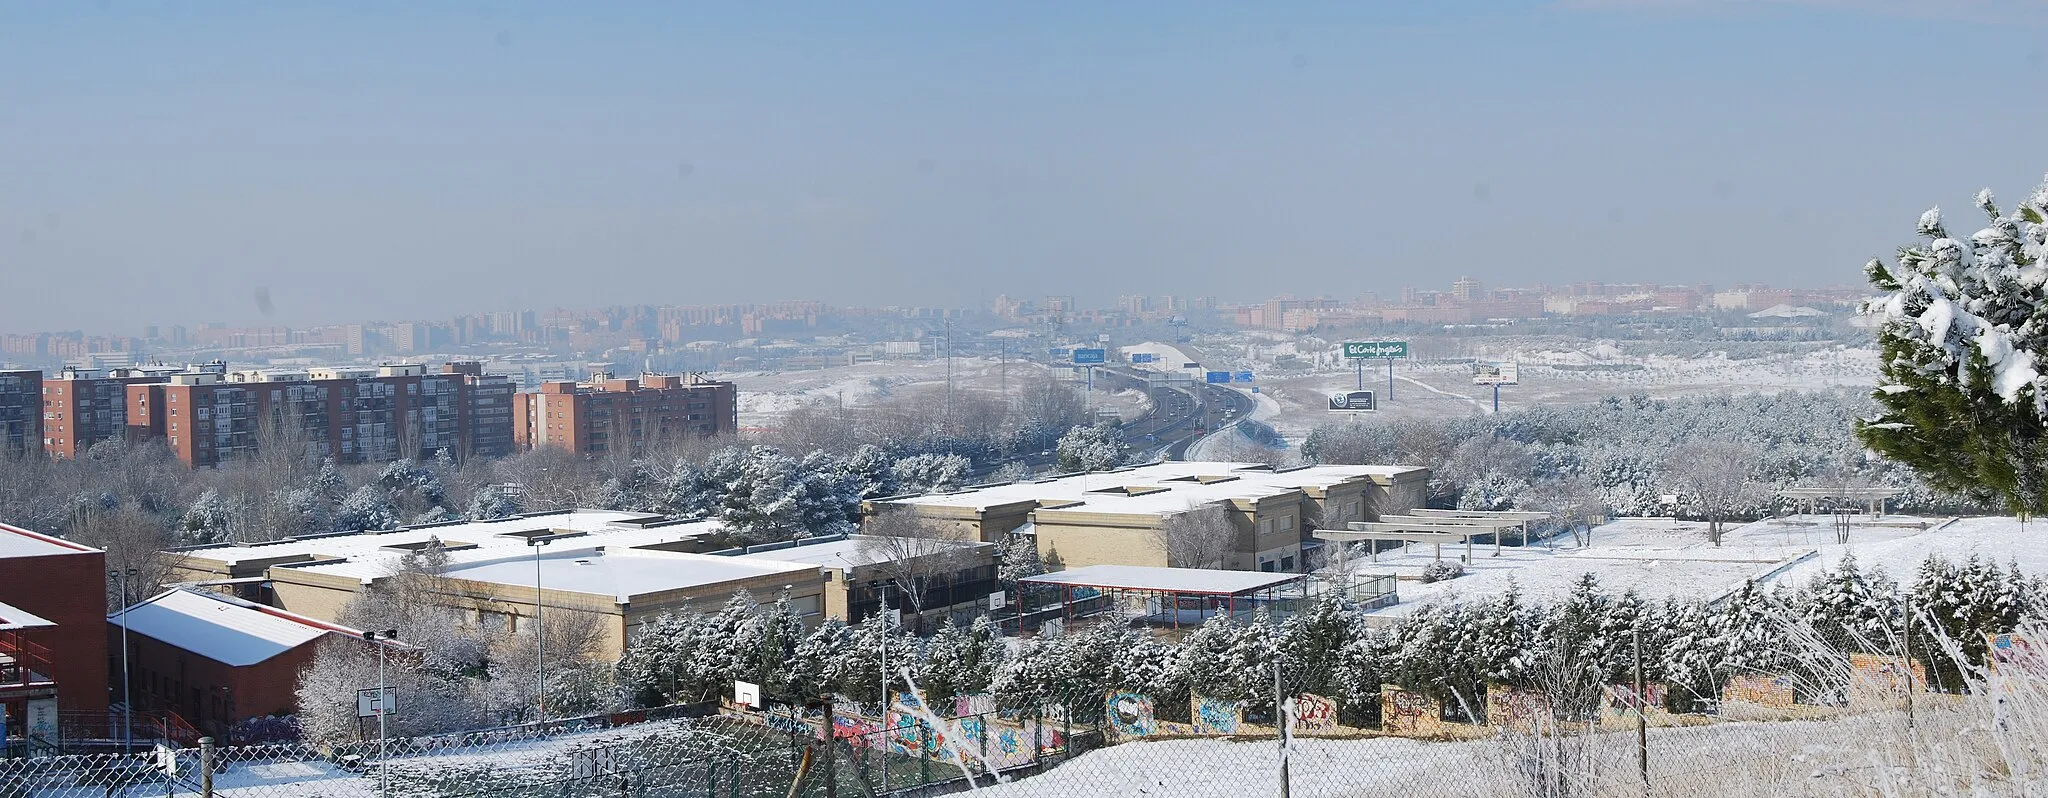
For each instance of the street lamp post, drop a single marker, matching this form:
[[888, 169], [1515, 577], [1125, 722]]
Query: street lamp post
[[540, 660], [383, 707], [127, 684]]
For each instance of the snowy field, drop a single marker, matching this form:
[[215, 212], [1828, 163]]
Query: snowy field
[[1659, 558], [1725, 759], [1553, 370]]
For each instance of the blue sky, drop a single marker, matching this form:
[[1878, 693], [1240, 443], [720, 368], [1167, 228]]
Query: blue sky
[[393, 160]]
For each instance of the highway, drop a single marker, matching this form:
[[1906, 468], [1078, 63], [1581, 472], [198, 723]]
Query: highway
[[1176, 420]]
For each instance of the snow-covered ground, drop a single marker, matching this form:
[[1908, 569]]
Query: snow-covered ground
[[1660, 558]]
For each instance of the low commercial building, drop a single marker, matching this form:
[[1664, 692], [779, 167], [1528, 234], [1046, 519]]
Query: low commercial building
[[946, 576], [621, 567], [217, 660], [1116, 517]]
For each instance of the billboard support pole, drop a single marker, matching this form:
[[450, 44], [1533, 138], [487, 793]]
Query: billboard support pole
[[1496, 398], [1390, 379], [1361, 371]]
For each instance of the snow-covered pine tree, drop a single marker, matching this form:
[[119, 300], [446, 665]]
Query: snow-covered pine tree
[[984, 652], [1502, 634], [1312, 644], [1091, 448], [939, 670], [207, 521], [872, 471], [929, 472], [369, 507], [492, 502], [1208, 656], [1691, 653], [1963, 330]]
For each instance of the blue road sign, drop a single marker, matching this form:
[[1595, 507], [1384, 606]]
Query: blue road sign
[[1244, 376], [1141, 357], [1056, 352], [1089, 355], [1255, 389], [1218, 377]]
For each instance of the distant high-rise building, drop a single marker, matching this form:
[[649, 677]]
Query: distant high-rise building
[[358, 340], [410, 338], [353, 414], [624, 415], [1466, 289], [21, 411]]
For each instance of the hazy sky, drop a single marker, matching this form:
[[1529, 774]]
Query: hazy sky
[[160, 160]]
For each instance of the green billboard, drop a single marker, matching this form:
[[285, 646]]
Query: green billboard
[[1376, 349]]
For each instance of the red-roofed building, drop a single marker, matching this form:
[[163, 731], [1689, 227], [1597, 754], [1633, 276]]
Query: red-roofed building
[[53, 629], [217, 661]]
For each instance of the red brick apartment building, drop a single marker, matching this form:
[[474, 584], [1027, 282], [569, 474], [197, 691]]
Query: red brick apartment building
[[53, 630], [82, 407], [209, 415], [216, 661], [610, 414]]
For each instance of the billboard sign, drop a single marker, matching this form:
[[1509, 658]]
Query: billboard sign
[[1242, 376], [1218, 377], [1352, 401], [1376, 349], [1141, 357], [1085, 356], [1495, 373]]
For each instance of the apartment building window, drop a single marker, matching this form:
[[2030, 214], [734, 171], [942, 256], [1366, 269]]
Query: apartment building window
[[1266, 528]]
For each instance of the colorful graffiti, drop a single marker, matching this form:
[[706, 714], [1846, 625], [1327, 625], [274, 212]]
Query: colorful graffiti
[[1130, 714], [1215, 715], [1403, 712], [1314, 714], [1759, 689], [2014, 651], [1516, 708], [1622, 699]]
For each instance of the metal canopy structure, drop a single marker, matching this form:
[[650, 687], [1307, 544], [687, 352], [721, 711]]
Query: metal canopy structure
[[1435, 527], [1873, 498], [1173, 596]]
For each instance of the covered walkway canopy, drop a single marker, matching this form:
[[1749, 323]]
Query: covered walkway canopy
[[1436, 527], [1873, 499], [1176, 596]]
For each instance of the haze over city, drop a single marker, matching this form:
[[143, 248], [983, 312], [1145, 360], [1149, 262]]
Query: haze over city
[[423, 161], [1535, 399]]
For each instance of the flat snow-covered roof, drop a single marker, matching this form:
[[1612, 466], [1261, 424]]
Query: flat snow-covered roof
[[600, 525], [18, 542], [846, 551], [222, 629], [1236, 481], [623, 574], [1166, 580]]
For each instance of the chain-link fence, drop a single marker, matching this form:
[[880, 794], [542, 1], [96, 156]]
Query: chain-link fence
[[1761, 737]]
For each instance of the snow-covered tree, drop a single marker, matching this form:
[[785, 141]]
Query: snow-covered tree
[[494, 501], [207, 521], [929, 472], [404, 477], [1200, 536], [872, 470], [1963, 327], [1715, 480], [369, 507], [1092, 448]]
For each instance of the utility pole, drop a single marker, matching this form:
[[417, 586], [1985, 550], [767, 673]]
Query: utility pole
[[882, 589]]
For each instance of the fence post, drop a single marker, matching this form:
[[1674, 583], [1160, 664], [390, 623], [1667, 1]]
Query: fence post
[[1906, 644], [1642, 713], [206, 767], [831, 755], [1280, 727], [924, 754], [981, 745]]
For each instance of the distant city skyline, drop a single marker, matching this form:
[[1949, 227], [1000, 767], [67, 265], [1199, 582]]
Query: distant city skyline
[[409, 162]]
